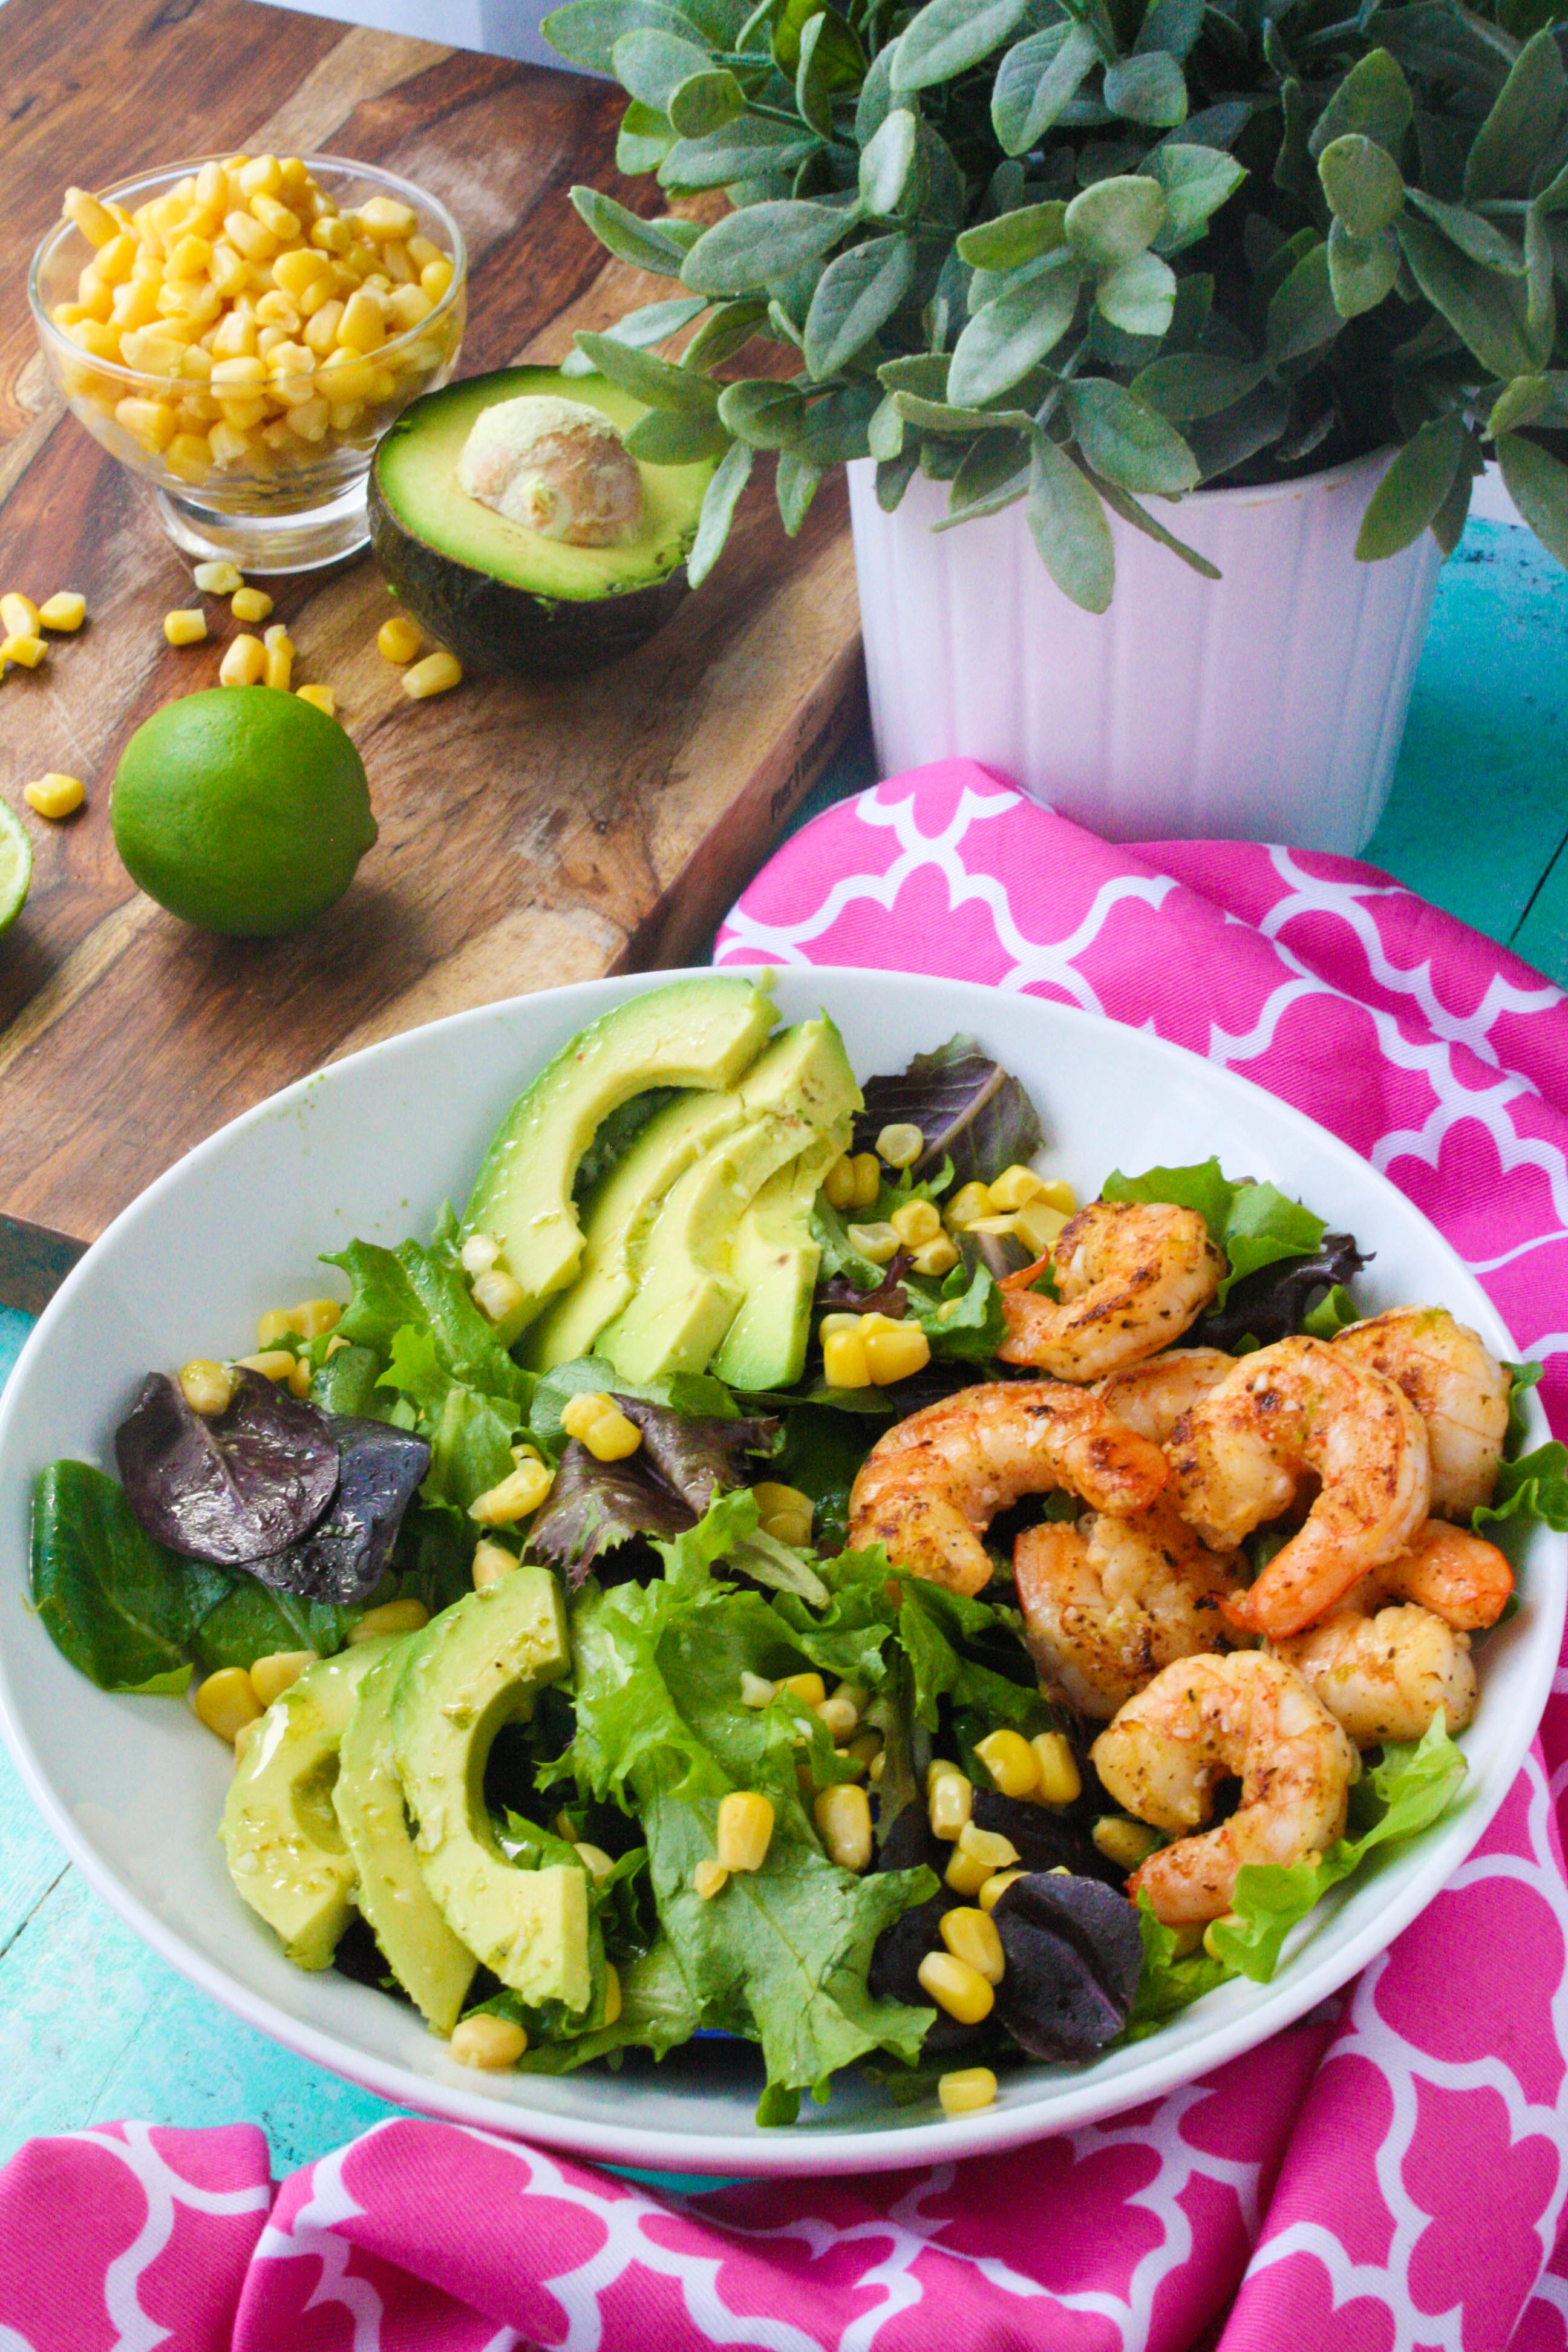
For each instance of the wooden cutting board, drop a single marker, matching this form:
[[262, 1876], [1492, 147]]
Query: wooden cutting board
[[528, 836]]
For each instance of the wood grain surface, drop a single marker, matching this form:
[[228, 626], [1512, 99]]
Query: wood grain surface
[[528, 836]]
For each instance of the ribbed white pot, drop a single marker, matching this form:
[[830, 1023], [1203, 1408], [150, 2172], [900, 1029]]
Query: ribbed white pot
[[1267, 706]]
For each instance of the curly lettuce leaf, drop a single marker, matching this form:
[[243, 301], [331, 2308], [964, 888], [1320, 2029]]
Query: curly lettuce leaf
[[963, 1319], [1532, 1486], [1255, 1224], [696, 1395], [427, 1292]]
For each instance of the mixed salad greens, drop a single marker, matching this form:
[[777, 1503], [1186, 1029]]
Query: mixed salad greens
[[341, 1508]]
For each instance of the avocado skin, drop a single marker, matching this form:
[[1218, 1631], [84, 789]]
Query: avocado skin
[[492, 626]]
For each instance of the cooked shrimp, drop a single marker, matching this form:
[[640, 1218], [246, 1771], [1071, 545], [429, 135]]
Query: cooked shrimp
[[1203, 1720], [1110, 1601], [1152, 1397], [931, 1486], [1241, 1454], [1459, 1577], [1131, 1277], [1456, 1386], [1385, 1677]]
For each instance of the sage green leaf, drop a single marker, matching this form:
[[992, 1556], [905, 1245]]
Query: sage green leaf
[[748, 148], [1471, 232], [812, 91], [1068, 525], [1006, 338], [706, 102], [875, 101], [654, 323], [719, 502], [1537, 482], [1412, 491], [658, 382], [1035, 80], [925, 373], [1195, 180], [660, 245], [1150, 89], [584, 33], [840, 58], [643, 141], [1362, 183], [1122, 503], [1131, 444], [1115, 218], [765, 415], [1140, 297], [1483, 308], [887, 161], [857, 294], [1014, 238], [943, 193], [1187, 386], [664, 437], [1362, 269], [941, 416], [726, 331], [885, 432], [795, 485], [1302, 315], [1173, 24], [1526, 116], [766, 241], [947, 37], [894, 476], [651, 66], [1540, 301], [1447, 525], [994, 475], [1373, 99], [1522, 402], [833, 429]]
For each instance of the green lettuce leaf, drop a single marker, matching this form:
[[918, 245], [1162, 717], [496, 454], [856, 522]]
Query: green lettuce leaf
[[426, 1292], [118, 1605], [1254, 1224], [1532, 1486], [963, 1318]]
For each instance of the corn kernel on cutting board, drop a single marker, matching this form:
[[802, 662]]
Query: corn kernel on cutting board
[[529, 836]]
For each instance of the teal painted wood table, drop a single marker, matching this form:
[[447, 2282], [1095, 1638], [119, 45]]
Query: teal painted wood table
[[92, 2025]]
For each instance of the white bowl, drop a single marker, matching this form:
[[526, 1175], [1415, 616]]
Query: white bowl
[[371, 1146]]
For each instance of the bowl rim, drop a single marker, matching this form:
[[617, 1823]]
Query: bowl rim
[[57, 340], [1080, 2099]]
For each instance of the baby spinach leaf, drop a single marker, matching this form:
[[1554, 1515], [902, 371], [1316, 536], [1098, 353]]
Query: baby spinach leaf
[[120, 1606], [967, 1106], [231, 1488]]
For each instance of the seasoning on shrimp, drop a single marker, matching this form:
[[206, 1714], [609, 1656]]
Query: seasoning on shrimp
[[1456, 1386], [1110, 1601], [1131, 1278], [1152, 1397]]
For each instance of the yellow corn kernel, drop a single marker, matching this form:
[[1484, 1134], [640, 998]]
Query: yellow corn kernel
[[492, 2043], [27, 652], [135, 305], [745, 1830], [1125, 1843], [295, 271], [284, 225], [845, 1363], [611, 1975], [492, 1562], [613, 1437], [409, 307], [398, 639], [965, 2090], [275, 310], [361, 326], [276, 1326], [838, 1184], [950, 1798], [756, 1690], [1039, 1227], [392, 1617], [435, 277], [64, 611], [972, 1935], [1061, 1783], [97, 224], [497, 1295], [1014, 1766], [383, 217], [250, 605], [784, 1511], [809, 1688], [188, 627], [867, 1178], [243, 662], [91, 335], [894, 1355], [709, 1878], [970, 1202], [978, 1855], [900, 1145], [321, 328], [272, 1363], [843, 1818], [841, 1717], [875, 1768], [227, 443], [421, 252], [516, 1496], [249, 238], [225, 1701], [260, 175], [218, 579], [314, 1318], [280, 671], [188, 457], [1228, 1919], [19, 616], [316, 295], [54, 796], [244, 373], [436, 674], [594, 1859], [1016, 1185], [243, 412], [235, 338], [279, 1670], [321, 698], [300, 1377], [990, 1893], [331, 235], [955, 1987], [228, 270], [66, 314], [207, 1387], [211, 184], [915, 1223], [878, 1242], [936, 1257], [580, 1412]]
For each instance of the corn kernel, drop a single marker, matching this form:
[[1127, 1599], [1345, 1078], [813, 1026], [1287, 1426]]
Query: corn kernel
[[272, 1363], [421, 252], [809, 1688], [845, 1363], [294, 272], [841, 1717], [514, 1498], [915, 1223], [225, 1701], [241, 374], [300, 1377], [207, 1387], [1125, 1843], [838, 1184], [580, 1412], [436, 674], [392, 1617], [995, 1224], [409, 307], [250, 605], [186, 627], [612, 1977], [497, 1295], [950, 1798], [965, 2090], [243, 662], [1039, 1227], [19, 616], [1016, 1185], [745, 1830], [96, 224], [978, 1855], [27, 651], [64, 611], [900, 1145], [314, 1318], [492, 2043], [256, 242], [492, 1562], [896, 1354], [259, 176], [1014, 1766], [956, 1988], [843, 1818], [709, 1878], [613, 1437], [878, 1242], [54, 796], [756, 1690], [972, 1935], [594, 1859], [435, 277], [279, 1670], [876, 1767], [362, 328], [276, 1326], [970, 1202], [990, 1893], [218, 579], [935, 1258], [383, 217], [1061, 1783], [398, 639], [321, 698], [280, 670], [1228, 1919], [784, 1512], [868, 1179]]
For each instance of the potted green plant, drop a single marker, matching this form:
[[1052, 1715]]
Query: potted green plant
[[1040, 263]]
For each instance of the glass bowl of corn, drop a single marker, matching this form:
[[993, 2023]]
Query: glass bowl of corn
[[240, 330]]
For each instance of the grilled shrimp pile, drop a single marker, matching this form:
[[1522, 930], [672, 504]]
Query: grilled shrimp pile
[[1364, 1453]]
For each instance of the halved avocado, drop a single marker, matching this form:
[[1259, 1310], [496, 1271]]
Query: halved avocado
[[503, 597]]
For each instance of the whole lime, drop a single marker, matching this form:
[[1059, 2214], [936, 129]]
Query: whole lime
[[241, 810]]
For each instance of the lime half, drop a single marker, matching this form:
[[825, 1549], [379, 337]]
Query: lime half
[[16, 865]]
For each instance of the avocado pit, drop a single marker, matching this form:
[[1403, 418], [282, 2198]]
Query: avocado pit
[[553, 466]]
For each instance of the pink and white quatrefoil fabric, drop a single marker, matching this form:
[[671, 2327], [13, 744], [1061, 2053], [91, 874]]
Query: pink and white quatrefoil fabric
[[1388, 2179]]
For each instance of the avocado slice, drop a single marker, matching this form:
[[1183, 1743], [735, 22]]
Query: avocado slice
[[690, 1284], [287, 1854], [696, 1032], [504, 597], [774, 1260], [433, 1968], [476, 1666]]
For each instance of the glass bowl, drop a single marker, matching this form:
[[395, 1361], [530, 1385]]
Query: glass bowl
[[271, 474]]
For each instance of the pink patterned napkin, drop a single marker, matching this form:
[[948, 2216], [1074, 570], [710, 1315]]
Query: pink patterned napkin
[[1387, 2178]]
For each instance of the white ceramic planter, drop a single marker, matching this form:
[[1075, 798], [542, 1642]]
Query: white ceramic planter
[[1268, 706]]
